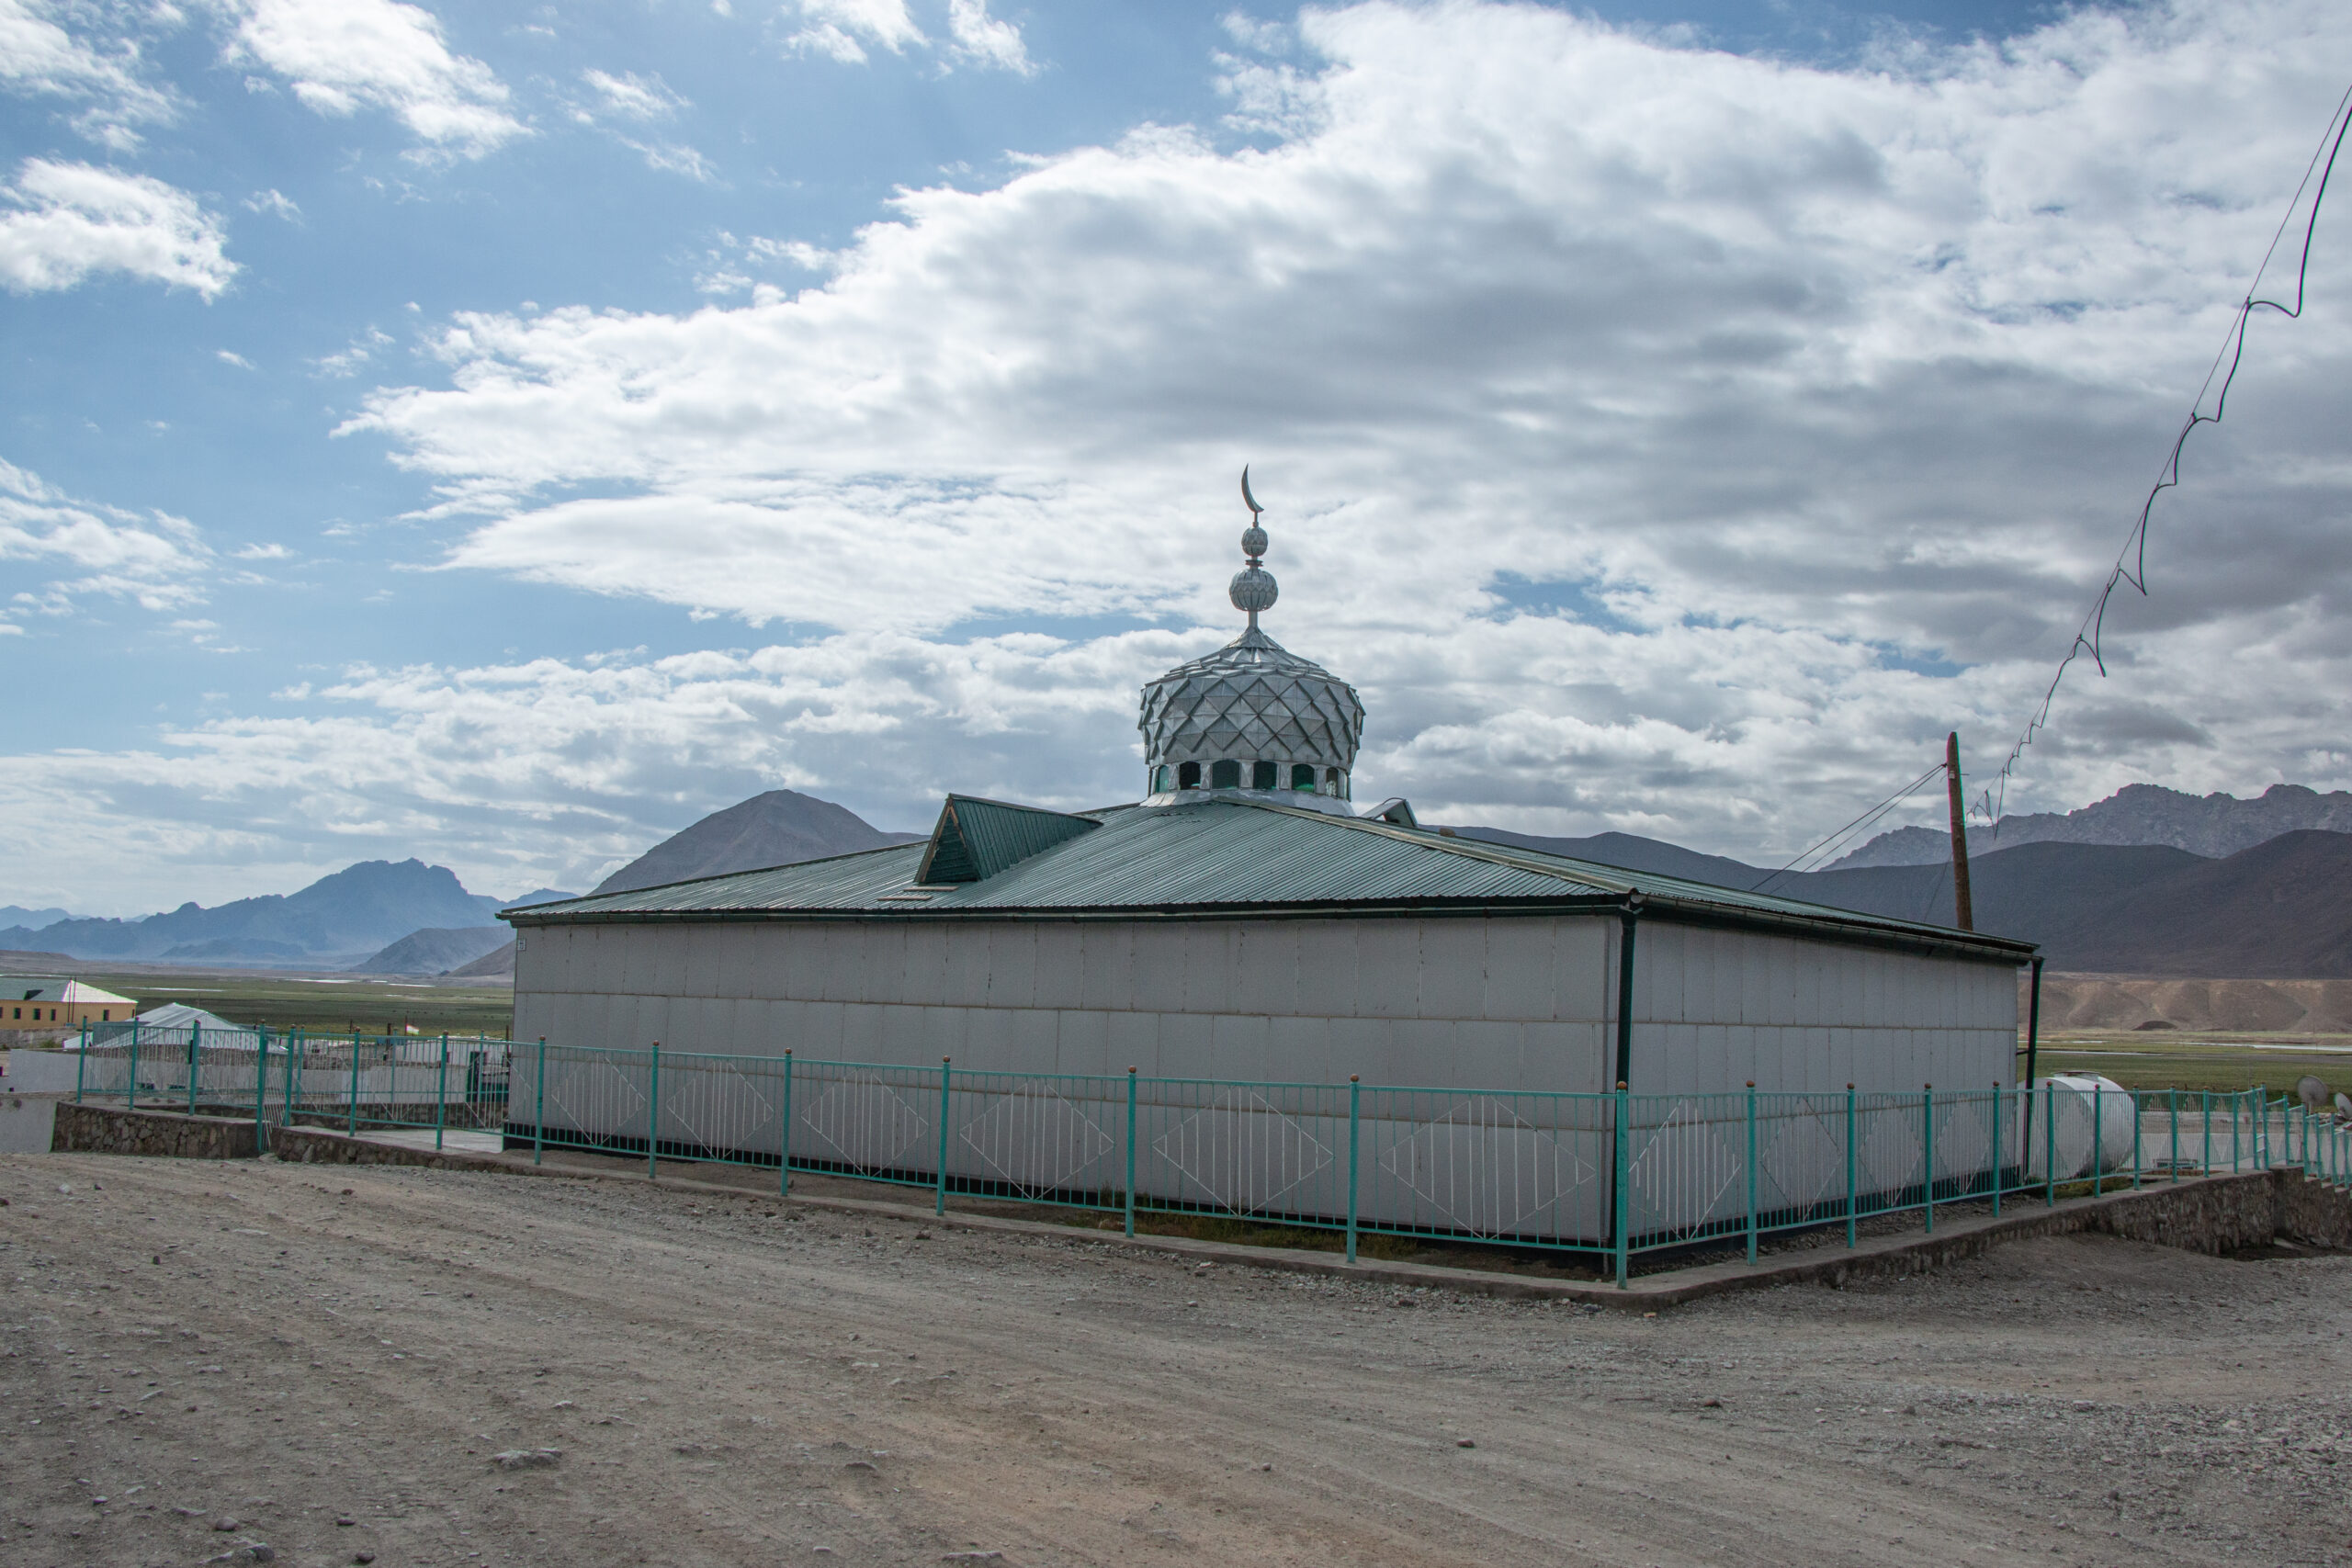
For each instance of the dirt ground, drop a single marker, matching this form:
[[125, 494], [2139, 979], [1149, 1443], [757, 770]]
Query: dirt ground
[[196, 1357]]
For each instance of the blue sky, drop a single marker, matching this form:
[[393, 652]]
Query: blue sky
[[503, 434]]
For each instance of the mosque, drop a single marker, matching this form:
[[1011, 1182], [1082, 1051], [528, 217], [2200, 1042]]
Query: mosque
[[1245, 920]]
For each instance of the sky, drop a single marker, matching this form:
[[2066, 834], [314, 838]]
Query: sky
[[503, 434]]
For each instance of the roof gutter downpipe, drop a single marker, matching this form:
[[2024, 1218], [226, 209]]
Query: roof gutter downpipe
[[1631, 916], [2032, 1050]]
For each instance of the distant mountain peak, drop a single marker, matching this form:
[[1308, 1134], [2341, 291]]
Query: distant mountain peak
[[778, 827], [2215, 826]]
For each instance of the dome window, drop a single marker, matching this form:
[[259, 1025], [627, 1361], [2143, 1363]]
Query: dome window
[[1163, 777], [1224, 775], [1302, 776], [1188, 775], [1265, 775]]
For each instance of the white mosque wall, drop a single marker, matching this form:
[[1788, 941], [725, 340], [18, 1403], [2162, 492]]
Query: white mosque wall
[[1524, 1004]]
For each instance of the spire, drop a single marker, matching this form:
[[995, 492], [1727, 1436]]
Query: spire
[[1253, 587]]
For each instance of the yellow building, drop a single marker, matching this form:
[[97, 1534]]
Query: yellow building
[[37, 1002]]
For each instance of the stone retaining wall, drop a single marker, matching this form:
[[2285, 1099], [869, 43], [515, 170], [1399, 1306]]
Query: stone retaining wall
[[111, 1130]]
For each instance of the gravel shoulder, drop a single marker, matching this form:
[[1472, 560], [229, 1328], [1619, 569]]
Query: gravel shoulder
[[740, 1381]]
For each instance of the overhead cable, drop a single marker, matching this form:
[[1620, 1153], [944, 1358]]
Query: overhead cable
[[2132, 561], [1857, 825]]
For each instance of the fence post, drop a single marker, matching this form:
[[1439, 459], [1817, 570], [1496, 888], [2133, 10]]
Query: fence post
[[1851, 1189], [653, 1118], [2050, 1142], [2174, 1098], [130, 1089], [2237, 1122], [1928, 1143], [82, 1064], [784, 1145], [1623, 1200], [1998, 1151], [261, 1090], [2205, 1160], [939, 1204], [441, 1095], [2137, 1161], [2099, 1139], [293, 1048], [539, 1109], [1355, 1102], [195, 1048], [1130, 1151], [355, 1083], [1751, 1170]]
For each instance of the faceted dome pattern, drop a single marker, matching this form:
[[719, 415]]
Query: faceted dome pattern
[[1251, 699]]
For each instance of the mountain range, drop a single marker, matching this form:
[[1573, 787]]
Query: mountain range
[[2277, 911], [341, 917], [2272, 907], [2210, 824]]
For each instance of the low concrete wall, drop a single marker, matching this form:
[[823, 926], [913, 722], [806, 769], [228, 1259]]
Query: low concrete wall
[[111, 1130], [42, 1072], [27, 1122]]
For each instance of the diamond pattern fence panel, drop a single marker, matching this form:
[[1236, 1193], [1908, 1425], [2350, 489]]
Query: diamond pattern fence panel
[[1039, 1138], [1261, 1151], [1686, 1166], [1525, 1168]]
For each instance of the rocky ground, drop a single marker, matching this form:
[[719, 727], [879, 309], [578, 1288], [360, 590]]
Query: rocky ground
[[208, 1361]]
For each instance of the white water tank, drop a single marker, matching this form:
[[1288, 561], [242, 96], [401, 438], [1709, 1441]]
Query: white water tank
[[2065, 1103]]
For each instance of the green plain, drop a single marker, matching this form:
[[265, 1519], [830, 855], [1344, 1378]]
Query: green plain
[[2202, 1060], [332, 1006]]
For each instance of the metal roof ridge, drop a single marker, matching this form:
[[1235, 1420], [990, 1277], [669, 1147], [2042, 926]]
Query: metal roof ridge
[[916, 844], [1619, 880]]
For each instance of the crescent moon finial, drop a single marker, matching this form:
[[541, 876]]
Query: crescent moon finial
[[1246, 499]]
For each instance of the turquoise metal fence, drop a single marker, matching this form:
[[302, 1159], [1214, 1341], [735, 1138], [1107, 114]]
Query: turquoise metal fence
[[1611, 1176], [436, 1083], [1608, 1175]]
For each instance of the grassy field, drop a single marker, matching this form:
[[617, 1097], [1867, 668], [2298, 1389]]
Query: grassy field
[[2164, 1060], [372, 1007]]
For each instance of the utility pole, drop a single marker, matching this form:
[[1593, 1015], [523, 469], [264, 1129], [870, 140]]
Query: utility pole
[[1965, 914]]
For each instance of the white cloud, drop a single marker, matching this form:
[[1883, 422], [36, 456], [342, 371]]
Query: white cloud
[[229, 356], [1633, 416], [985, 40], [264, 552], [343, 55], [631, 97], [158, 561], [274, 201], [842, 28], [72, 220], [362, 349], [39, 58], [845, 29]]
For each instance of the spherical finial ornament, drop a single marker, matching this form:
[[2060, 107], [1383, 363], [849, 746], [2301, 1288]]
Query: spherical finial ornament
[[1254, 590], [1253, 541]]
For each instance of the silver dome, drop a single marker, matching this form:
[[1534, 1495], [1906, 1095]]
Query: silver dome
[[1252, 717]]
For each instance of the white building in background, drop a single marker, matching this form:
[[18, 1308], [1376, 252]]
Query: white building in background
[[1242, 923]]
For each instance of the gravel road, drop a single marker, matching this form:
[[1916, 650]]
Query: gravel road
[[203, 1361]]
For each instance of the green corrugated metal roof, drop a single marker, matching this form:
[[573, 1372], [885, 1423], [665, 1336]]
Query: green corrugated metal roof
[[976, 839], [1231, 857]]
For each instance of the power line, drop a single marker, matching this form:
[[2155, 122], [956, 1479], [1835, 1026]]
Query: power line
[[1856, 825], [2132, 561]]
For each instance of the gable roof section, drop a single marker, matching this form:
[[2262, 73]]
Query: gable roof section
[[1233, 857], [976, 839]]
